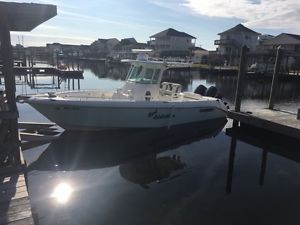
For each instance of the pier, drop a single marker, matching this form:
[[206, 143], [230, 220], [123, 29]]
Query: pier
[[232, 71], [48, 71], [30, 75], [269, 119], [14, 200]]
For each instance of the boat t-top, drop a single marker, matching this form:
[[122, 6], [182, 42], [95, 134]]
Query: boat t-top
[[143, 102]]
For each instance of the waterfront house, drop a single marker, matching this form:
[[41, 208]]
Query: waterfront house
[[288, 42], [231, 41], [172, 43], [101, 48], [200, 55], [123, 50], [67, 50]]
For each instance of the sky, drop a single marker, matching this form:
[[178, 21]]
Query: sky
[[82, 21]]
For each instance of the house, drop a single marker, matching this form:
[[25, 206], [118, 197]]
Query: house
[[36, 52], [172, 43], [290, 43], [232, 40], [103, 47], [200, 55], [123, 50], [66, 50]]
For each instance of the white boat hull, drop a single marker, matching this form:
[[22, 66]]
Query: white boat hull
[[99, 115]]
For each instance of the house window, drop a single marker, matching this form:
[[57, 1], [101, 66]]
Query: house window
[[227, 49], [297, 48]]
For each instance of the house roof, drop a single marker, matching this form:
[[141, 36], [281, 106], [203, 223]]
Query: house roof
[[128, 41], [25, 16], [296, 36], [172, 32], [238, 29], [200, 49], [103, 40], [283, 39]]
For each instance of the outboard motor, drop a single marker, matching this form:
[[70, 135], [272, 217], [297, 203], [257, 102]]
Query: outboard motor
[[147, 95], [201, 90], [211, 91]]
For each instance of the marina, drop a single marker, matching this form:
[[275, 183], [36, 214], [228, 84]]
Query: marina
[[163, 132], [146, 173]]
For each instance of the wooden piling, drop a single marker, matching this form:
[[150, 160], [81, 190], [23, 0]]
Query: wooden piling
[[275, 78], [10, 90], [240, 82]]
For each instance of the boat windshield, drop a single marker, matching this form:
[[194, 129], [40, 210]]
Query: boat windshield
[[144, 75]]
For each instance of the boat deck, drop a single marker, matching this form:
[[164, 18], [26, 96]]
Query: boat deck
[[108, 96]]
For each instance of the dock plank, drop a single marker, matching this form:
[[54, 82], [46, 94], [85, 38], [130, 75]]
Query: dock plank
[[15, 206], [273, 120]]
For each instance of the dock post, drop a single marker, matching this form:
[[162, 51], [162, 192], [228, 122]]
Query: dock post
[[240, 82], [275, 78], [58, 82], [10, 89]]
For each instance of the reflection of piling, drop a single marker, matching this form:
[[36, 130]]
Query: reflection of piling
[[274, 86], [263, 167], [230, 165]]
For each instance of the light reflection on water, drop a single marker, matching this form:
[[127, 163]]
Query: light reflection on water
[[186, 176], [62, 192]]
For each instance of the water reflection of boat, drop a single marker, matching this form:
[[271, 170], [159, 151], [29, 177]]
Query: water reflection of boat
[[143, 102], [152, 169], [85, 150]]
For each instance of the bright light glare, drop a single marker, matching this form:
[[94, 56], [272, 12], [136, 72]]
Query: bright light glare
[[62, 193]]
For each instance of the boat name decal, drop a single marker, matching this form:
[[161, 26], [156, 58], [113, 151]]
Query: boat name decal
[[156, 116], [67, 108], [206, 109]]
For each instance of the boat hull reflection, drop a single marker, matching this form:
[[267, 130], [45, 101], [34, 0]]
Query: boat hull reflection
[[90, 150]]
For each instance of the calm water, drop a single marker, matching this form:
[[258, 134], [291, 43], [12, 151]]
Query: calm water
[[202, 174]]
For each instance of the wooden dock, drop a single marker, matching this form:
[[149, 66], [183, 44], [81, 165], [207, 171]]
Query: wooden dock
[[47, 71], [280, 122], [15, 206], [284, 123]]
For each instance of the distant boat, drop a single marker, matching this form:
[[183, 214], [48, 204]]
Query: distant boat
[[143, 102]]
